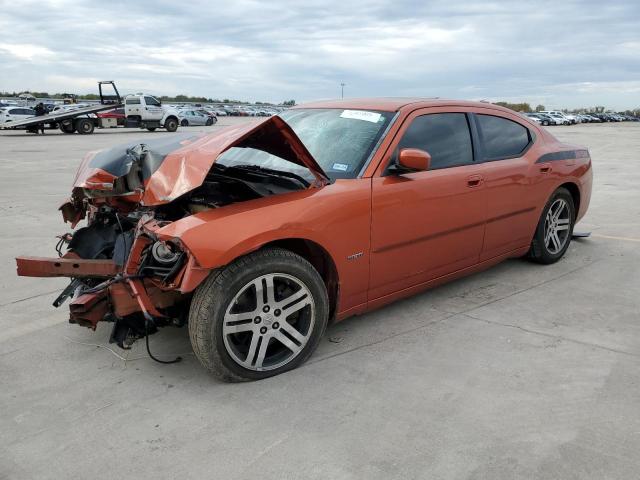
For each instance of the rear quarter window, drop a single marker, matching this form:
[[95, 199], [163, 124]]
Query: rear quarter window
[[502, 138]]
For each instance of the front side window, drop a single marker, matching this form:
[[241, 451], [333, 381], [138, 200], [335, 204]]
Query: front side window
[[151, 101], [502, 138], [445, 136]]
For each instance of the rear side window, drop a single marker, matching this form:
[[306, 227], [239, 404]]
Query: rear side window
[[133, 101], [502, 138], [445, 136]]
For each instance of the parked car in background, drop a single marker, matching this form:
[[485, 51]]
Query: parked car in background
[[189, 118], [558, 117], [12, 114], [210, 113], [541, 118], [258, 235]]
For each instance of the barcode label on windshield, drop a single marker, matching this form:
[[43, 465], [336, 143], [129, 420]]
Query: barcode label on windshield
[[372, 117]]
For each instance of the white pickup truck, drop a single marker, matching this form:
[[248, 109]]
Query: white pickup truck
[[145, 111]]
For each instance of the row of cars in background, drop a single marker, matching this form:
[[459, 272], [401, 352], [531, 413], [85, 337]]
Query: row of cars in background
[[187, 117], [189, 114], [555, 117]]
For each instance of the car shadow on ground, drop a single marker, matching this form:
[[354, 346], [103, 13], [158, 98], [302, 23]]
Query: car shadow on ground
[[403, 317]]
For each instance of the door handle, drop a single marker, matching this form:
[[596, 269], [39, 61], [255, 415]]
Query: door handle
[[545, 169], [474, 181]]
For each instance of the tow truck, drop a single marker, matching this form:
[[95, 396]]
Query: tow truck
[[142, 111]]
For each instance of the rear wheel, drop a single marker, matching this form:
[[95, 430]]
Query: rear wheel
[[553, 233], [84, 126], [67, 128], [262, 315], [184, 123], [151, 129], [171, 124]]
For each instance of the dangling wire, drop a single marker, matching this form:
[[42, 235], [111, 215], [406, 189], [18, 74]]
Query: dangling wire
[[148, 319]]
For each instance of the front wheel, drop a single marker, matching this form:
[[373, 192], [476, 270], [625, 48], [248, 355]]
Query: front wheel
[[554, 230], [262, 315], [209, 122], [171, 124]]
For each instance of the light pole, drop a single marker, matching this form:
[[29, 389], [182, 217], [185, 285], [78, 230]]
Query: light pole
[[342, 89]]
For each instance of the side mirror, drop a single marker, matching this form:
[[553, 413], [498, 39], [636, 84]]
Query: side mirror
[[413, 160]]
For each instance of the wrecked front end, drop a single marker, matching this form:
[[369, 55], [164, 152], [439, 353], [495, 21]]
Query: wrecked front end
[[123, 268]]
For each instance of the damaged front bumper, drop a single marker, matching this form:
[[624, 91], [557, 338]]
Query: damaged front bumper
[[151, 281]]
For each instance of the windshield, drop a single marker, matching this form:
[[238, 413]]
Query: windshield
[[339, 140]]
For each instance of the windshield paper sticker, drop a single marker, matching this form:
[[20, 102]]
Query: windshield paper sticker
[[343, 167], [372, 117]]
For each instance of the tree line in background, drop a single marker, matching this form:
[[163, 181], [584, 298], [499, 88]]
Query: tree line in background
[[525, 107], [163, 98]]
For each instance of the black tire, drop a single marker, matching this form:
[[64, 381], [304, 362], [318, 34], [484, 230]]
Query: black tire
[[67, 128], [540, 251], [171, 124], [212, 299], [184, 123], [84, 126], [209, 122], [151, 129]]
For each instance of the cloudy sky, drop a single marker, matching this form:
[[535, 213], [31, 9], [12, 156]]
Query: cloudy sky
[[562, 53]]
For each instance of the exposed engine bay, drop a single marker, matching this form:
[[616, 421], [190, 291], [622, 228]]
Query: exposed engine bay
[[122, 270]]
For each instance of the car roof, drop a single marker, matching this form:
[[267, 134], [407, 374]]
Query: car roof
[[393, 104]]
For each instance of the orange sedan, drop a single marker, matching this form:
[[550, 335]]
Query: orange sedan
[[257, 236]]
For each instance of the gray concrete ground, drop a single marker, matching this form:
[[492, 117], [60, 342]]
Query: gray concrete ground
[[520, 372]]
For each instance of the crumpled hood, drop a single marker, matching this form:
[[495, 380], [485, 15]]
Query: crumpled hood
[[164, 169]]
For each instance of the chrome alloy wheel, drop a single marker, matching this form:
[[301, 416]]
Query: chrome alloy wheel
[[268, 322], [556, 226]]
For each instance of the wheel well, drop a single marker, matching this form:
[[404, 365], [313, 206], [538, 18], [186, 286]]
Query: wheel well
[[321, 261], [575, 194]]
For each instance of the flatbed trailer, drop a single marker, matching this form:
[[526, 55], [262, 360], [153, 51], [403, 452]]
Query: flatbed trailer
[[70, 121]]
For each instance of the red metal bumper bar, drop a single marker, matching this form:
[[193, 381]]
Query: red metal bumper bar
[[65, 267]]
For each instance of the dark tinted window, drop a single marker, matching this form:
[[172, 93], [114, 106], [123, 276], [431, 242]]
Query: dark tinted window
[[445, 136], [501, 137], [133, 101], [151, 101]]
